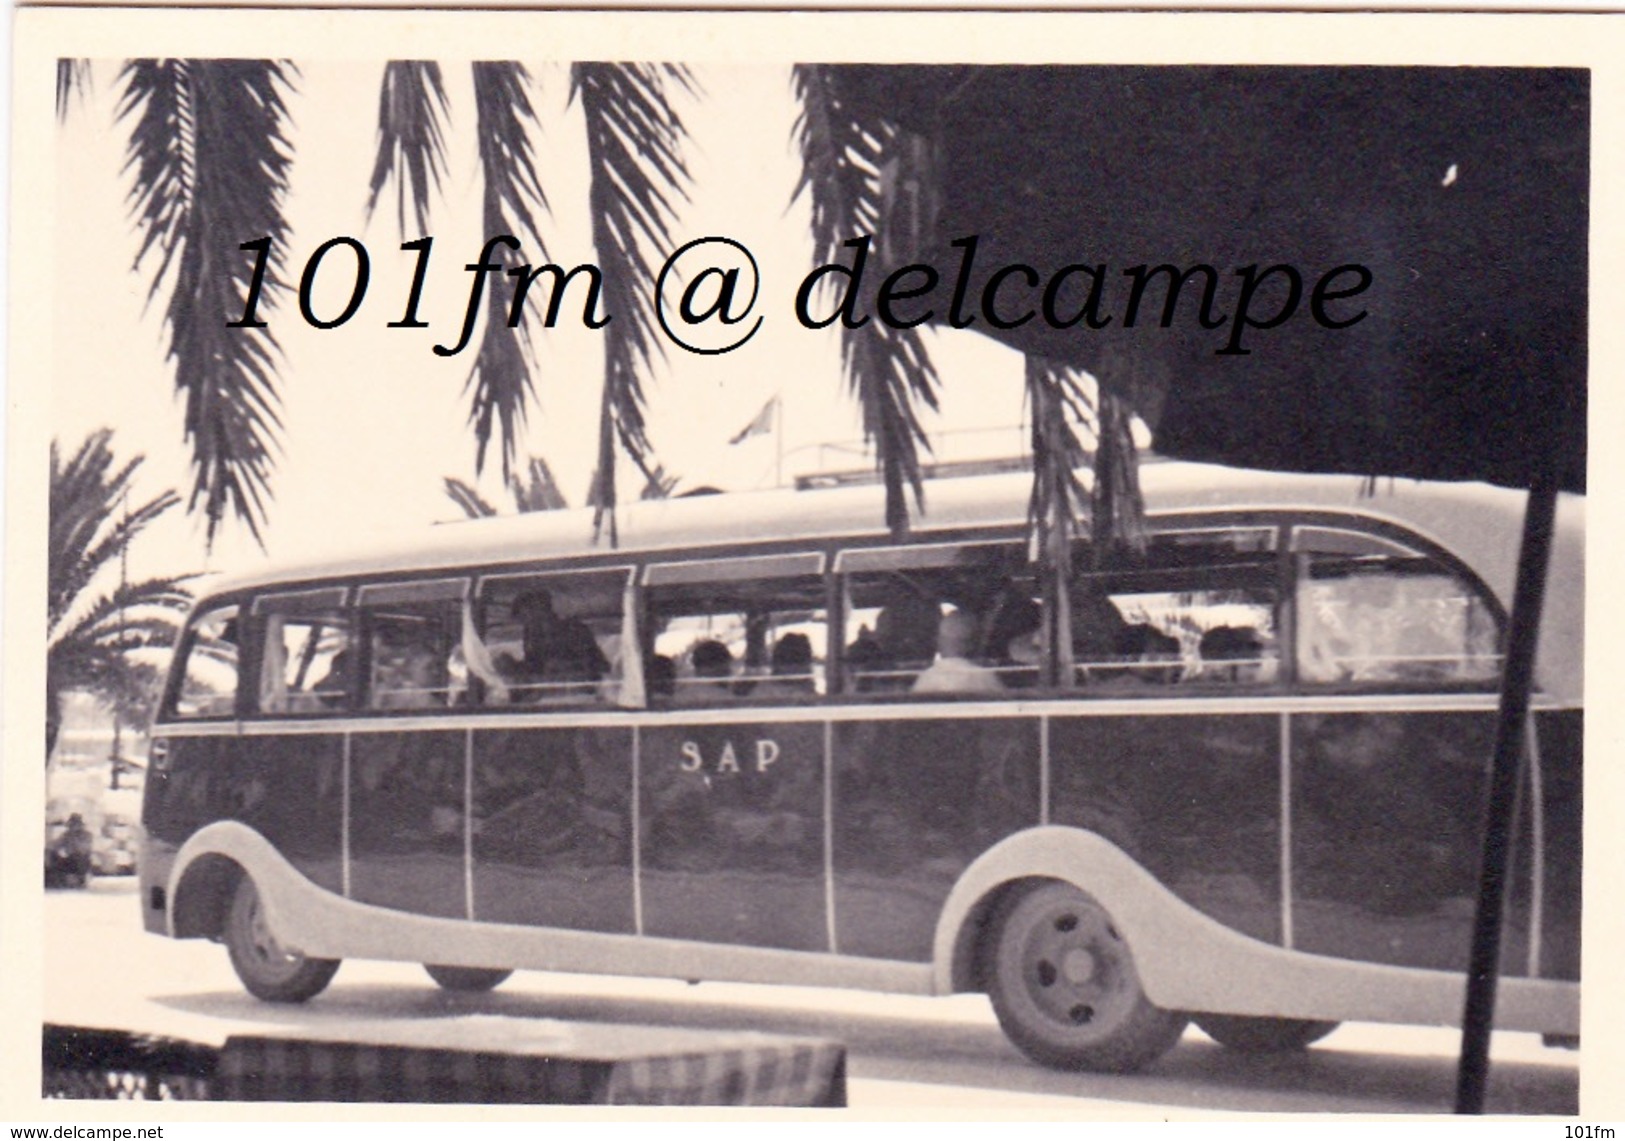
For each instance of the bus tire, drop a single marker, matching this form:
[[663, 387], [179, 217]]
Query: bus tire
[[1065, 989], [268, 970], [1252, 1035], [467, 980]]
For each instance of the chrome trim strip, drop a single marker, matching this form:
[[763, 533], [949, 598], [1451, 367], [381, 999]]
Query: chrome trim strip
[[198, 729], [637, 830], [1285, 831], [468, 822], [344, 821], [921, 711], [829, 836], [1537, 844], [1043, 769]]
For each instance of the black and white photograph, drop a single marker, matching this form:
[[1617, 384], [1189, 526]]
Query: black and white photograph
[[848, 563]]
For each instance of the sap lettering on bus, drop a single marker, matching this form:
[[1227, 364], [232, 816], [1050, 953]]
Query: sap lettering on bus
[[767, 751]]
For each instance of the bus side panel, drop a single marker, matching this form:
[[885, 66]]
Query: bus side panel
[[289, 789], [1194, 798], [732, 831], [406, 820], [1562, 778], [915, 802], [1387, 831], [292, 793], [552, 821]]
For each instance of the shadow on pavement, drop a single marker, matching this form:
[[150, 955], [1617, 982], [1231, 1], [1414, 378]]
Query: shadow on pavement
[[1196, 1074]]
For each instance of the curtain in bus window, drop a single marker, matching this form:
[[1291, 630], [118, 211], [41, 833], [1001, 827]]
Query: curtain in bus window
[[478, 657], [1198, 607], [733, 630], [1371, 610]]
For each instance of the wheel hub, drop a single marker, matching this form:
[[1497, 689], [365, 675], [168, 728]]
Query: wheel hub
[[1078, 966], [1073, 973]]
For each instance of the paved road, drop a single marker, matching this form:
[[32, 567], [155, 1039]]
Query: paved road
[[941, 1054]]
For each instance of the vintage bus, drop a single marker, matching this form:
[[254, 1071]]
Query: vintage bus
[[1237, 776]]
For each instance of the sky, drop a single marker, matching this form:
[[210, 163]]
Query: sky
[[373, 419]]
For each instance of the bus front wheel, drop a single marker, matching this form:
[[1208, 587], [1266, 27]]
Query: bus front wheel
[[1065, 989], [469, 980], [267, 969], [1263, 1035]]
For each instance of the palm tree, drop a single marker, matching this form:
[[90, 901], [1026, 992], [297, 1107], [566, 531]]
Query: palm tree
[[538, 490], [209, 154], [95, 636]]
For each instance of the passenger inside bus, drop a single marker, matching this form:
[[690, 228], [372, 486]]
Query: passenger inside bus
[[792, 669], [559, 653], [333, 690], [713, 673], [901, 645], [660, 676], [1232, 653], [954, 671], [404, 669], [1015, 641]]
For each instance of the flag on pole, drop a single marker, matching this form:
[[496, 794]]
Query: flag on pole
[[760, 424]]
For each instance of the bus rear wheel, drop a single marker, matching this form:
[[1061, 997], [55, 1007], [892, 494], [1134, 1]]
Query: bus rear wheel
[[468, 980], [1065, 989], [267, 969], [1252, 1035]]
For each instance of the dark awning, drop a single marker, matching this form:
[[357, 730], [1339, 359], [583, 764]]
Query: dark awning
[[1463, 190]]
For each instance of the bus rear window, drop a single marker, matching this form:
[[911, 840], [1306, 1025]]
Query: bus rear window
[[1373, 611], [208, 684]]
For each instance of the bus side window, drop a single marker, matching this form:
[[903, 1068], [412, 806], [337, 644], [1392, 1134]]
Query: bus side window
[[1199, 607], [550, 638], [940, 618], [1370, 610], [733, 630], [305, 658], [414, 652], [208, 685]]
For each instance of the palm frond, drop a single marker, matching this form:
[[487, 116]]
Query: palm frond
[[500, 383], [659, 485], [1117, 508], [472, 503], [208, 157], [538, 491], [847, 162], [634, 150], [412, 113], [89, 523], [72, 78], [146, 614]]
